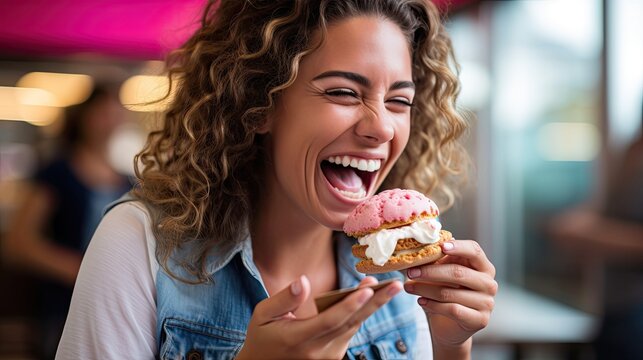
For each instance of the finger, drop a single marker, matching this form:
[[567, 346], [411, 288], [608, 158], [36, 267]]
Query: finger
[[469, 298], [469, 319], [454, 275], [283, 303], [351, 324], [333, 317], [368, 281], [472, 251], [453, 260]]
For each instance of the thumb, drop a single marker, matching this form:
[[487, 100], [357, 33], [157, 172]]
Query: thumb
[[283, 303]]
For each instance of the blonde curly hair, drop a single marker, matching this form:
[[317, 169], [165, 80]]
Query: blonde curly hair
[[198, 173]]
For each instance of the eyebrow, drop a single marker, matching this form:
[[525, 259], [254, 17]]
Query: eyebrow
[[402, 84], [361, 79]]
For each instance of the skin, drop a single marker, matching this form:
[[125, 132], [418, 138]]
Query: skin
[[327, 114], [457, 294], [319, 122]]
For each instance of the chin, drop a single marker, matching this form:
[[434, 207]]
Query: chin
[[332, 220]]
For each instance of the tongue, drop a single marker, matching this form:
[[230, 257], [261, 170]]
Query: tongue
[[343, 178]]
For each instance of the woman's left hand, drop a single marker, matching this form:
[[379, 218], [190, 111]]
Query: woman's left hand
[[457, 292]]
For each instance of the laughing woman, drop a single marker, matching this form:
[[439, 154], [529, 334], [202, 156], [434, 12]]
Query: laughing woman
[[220, 251]]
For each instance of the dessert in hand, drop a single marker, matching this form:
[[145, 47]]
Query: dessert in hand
[[396, 229]]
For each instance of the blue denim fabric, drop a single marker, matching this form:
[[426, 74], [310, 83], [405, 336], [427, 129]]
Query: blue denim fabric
[[211, 319]]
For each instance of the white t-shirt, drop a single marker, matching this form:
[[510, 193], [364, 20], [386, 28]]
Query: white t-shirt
[[113, 310]]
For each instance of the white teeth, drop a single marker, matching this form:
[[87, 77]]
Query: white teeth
[[360, 164], [372, 166], [353, 195]]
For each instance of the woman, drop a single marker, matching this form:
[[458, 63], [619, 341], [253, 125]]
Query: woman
[[237, 204]]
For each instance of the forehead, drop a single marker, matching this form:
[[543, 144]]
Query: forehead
[[362, 43]]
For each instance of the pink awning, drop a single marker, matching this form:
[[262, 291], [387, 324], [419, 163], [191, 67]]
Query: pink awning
[[131, 29]]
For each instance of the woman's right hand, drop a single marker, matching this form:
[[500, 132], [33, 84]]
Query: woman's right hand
[[275, 332]]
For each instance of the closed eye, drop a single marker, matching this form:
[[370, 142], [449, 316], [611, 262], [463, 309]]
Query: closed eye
[[341, 92], [401, 101]]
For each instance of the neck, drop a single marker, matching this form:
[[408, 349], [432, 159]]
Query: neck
[[286, 242]]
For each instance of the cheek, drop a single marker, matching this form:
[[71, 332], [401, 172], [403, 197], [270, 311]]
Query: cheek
[[329, 121], [402, 134], [314, 128], [406, 135]]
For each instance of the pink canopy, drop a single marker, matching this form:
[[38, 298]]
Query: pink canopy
[[132, 29]]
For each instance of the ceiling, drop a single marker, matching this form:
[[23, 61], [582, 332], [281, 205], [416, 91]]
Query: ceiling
[[127, 29]]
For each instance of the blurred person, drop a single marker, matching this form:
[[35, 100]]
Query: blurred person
[[63, 204], [614, 236]]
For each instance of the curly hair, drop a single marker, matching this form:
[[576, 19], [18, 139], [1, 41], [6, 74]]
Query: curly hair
[[198, 173]]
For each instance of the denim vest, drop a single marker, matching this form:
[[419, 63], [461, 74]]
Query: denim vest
[[209, 321]]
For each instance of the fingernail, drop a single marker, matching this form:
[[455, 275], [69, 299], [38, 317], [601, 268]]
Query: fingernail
[[448, 246], [409, 287], [295, 287], [413, 273], [364, 296], [422, 301]]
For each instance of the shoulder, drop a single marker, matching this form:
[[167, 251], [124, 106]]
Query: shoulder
[[113, 309], [127, 222], [122, 248], [130, 211], [127, 228]]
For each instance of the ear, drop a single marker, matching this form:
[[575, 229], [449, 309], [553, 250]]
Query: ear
[[266, 127]]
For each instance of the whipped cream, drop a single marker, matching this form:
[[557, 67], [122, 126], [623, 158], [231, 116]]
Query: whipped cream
[[381, 244]]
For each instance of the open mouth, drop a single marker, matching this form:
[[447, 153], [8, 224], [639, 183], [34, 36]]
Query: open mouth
[[351, 176]]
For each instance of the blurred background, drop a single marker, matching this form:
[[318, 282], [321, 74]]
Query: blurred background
[[554, 89]]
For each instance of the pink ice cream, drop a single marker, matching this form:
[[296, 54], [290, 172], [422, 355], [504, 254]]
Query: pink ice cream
[[388, 206]]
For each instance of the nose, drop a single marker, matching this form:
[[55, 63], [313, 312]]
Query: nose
[[375, 126]]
